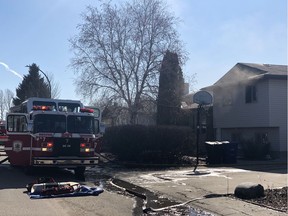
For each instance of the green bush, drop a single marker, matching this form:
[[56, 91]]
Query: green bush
[[149, 144]]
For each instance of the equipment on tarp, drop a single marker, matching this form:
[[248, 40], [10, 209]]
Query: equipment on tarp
[[48, 188]]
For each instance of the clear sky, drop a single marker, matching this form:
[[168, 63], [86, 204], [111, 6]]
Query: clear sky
[[217, 34]]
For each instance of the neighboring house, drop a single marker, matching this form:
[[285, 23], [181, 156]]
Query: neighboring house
[[250, 103]]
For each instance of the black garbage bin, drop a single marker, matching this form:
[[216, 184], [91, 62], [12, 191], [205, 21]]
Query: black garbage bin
[[221, 152], [215, 152], [230, 152]]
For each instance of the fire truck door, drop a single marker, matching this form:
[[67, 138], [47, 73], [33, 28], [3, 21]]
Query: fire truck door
[[18, 146]]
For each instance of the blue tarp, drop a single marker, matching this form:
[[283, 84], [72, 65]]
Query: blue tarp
[[82, 190]]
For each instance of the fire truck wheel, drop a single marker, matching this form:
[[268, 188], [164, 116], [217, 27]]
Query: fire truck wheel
[[79, 172]]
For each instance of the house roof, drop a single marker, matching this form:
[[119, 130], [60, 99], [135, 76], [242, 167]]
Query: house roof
[[244, 71]]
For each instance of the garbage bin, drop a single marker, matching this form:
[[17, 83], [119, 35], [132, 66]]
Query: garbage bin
[[230, 152], [215, 152], [221, 152]]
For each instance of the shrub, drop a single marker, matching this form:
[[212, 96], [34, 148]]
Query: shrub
[[155, 144], [255, 150]]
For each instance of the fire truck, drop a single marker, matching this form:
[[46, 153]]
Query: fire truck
[[2, 128], [43, 132], [2, 133]]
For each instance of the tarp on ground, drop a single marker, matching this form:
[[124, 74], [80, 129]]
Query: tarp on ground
[[62, 189]]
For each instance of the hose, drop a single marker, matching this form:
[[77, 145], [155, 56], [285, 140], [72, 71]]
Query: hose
[[145, 209]]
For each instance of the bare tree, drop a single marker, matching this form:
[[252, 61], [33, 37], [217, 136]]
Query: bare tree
[[6, 98], [119, 49], [2, 108], [55, 88]]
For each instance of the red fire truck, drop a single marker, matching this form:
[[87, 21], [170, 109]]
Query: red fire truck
[[2, 132], [46, 132]]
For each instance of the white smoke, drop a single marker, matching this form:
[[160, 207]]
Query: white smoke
[[12, 71]]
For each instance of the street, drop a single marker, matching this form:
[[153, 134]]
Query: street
[[129, 191], [15, 202]]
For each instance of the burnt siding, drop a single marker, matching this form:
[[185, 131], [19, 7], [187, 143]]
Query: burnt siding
[[232, 111]]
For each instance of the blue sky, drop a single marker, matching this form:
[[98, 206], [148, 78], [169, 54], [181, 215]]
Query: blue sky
[[217, 34]]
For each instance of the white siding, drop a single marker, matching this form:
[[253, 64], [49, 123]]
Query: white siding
[[267, 114], [231, 110], [278, 109]]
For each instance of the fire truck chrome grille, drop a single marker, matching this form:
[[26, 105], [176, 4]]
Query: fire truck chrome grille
[[66, 147]]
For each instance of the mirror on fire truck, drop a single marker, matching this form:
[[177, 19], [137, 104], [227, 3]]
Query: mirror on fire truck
[[102, 128], [30, 127]]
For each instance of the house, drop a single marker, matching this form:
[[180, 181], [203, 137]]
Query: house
[[250, 103]]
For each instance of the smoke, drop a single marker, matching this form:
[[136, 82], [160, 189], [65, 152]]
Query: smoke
[[12, 71]]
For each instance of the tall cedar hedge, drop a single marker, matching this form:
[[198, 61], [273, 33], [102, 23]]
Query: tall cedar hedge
[[149, 144], [170, 91]]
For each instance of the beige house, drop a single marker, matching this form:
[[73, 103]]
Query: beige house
[[250, 103]]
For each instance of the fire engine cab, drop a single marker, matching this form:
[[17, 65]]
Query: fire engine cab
[[2, 128], [2, 133], [46, 132]]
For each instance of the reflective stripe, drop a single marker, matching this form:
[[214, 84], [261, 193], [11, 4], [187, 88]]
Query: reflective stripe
[[18, 133], [57, 135], [45, 134], [87, 135], [24, 149], [65, 135], [75, 135], [3, 138]]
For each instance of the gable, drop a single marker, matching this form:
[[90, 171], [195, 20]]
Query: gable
[[245, 71]]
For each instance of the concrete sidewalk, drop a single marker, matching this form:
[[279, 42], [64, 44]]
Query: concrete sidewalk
[[217, 181]]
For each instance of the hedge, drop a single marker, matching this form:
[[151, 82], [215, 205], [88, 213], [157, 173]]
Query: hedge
[[149, 144]]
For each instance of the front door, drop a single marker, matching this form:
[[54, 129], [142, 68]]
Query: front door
[[18, 146]]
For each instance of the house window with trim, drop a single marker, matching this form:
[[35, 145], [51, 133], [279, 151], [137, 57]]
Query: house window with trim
[[251, 94]]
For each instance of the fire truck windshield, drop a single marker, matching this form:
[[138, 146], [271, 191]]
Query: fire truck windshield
[[49, 123], [57, 124], [80, 124]]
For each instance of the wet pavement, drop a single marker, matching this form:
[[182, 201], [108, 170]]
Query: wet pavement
[[147, 202], [208, 191], [180, 191]]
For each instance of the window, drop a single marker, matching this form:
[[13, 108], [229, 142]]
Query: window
[[17, 123], [69, 107], [49, 123], [251, 94], [81, 124]]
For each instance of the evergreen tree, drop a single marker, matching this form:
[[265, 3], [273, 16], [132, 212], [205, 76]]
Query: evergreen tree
[[33, 85], [170, 92]]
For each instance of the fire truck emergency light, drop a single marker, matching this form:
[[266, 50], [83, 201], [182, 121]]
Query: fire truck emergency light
[[86, 110], [44, 108]]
